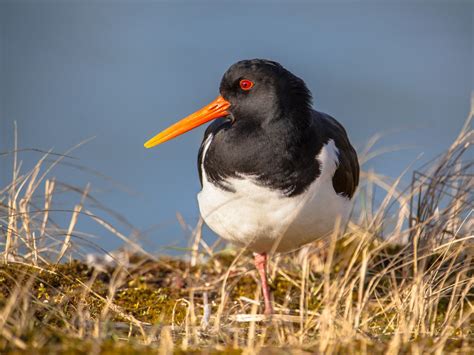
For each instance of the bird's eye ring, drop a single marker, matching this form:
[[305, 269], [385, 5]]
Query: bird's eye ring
[[245, 84]]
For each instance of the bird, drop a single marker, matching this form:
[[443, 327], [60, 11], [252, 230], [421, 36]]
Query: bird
[[275, 173]]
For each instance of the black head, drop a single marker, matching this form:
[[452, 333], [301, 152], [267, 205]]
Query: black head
[[262, 90], [253, 93]]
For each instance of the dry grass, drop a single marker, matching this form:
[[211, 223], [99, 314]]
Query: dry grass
[[399, 279]]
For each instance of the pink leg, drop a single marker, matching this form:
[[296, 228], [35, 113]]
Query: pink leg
[[261, 265]]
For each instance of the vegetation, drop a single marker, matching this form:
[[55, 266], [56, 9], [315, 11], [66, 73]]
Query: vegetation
[[398, 279]]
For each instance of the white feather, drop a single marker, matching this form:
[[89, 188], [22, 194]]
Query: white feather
[[263, 219]]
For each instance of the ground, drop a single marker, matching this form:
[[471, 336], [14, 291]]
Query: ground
[[136, 307]]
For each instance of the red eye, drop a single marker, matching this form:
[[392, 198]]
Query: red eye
[[246, 84]]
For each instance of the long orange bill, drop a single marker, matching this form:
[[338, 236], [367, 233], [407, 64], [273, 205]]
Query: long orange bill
[[217, 108]]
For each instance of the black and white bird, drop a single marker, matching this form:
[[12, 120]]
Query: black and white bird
[[275, 173]]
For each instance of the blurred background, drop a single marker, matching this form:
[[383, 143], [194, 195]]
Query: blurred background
[[122, 71]]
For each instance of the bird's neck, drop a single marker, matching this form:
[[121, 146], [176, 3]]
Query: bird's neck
[[279, 130], [295, 120]]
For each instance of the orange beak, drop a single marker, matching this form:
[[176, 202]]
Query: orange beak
[[217, 108]]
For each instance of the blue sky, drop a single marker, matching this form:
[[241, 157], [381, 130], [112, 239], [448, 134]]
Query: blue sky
[[122, 71]]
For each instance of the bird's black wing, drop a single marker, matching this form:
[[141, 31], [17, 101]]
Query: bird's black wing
[[346, 177]]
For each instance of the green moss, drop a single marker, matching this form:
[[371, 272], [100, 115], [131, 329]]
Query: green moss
[[244, 287], [150, 305]]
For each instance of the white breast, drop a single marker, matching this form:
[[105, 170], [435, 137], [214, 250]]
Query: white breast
[[263, 219]]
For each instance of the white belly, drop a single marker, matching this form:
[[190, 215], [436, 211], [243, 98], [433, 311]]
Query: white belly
[[263, 220]]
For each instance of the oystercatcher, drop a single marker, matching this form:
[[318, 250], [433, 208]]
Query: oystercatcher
[[275, 174]]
